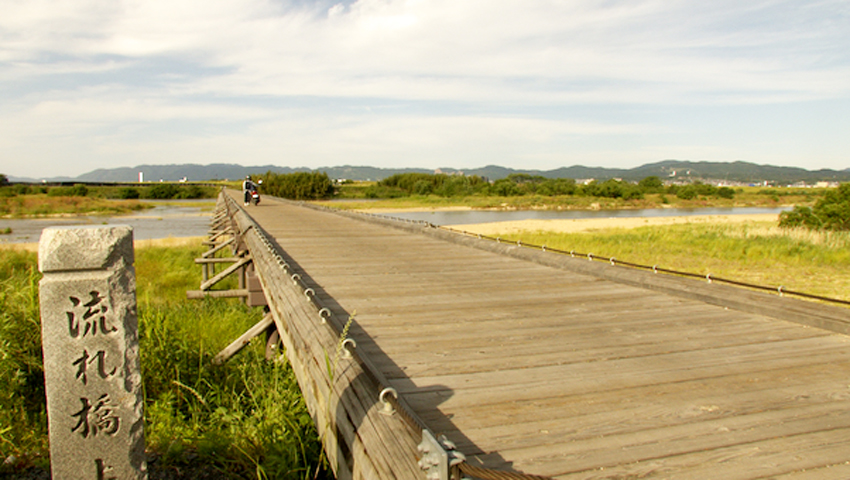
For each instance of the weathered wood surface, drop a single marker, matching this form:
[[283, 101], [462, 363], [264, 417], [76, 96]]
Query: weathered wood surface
[[237, 345], [576, 373], [225, 273], [360, 441]]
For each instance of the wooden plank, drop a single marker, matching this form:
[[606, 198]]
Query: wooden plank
[[364, 424], [219, 233], [217, 260], [237, 345], [227, 271], [570, 372], [213, 251], [233, 293]]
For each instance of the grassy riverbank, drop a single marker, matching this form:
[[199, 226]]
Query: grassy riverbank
[[31, 206], [245, 419], [27, 201], [753, 251]]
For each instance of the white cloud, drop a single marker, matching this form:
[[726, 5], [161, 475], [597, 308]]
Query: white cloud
[[506, 80]]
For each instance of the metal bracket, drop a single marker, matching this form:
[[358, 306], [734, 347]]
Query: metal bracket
[[439, 457]]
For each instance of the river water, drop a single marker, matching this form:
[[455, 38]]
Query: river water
[[190, 218], [179, 218], [463, 217]]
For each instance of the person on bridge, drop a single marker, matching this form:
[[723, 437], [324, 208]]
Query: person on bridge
[[247, 188]]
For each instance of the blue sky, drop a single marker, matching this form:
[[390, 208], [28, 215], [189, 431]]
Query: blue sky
[[88, 84]]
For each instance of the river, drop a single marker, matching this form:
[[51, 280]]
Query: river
[[464, 217], [178, 218], [190, 218]]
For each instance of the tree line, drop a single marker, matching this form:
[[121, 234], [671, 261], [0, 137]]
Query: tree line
[[159, 191], [296, 186], [520, 184]]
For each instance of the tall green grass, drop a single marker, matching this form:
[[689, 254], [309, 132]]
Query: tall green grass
[[758, 252], [23, 420], [245, 419]]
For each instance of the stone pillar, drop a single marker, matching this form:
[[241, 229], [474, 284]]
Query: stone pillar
[[89, 333]]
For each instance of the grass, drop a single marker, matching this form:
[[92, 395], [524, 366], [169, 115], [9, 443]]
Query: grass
[[245, 419], [758, 252], [41, 205]]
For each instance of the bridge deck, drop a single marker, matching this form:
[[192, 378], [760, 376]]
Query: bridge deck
[[546, 371]]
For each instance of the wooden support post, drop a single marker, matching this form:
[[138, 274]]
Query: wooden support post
[[209, 253], [256, 296], [196, 294], [263, 325], [220, 233], [217, 260], [236, 266], [207, 265]]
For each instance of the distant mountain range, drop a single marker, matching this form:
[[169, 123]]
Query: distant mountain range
[[740, 172]]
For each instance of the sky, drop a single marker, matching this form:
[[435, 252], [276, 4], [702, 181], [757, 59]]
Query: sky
[[526, 84]]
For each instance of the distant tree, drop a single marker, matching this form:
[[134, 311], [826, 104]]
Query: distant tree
[[423, 187], [688, 192], [613, 189], [191, 192], [3, 179], [161, 191], [651, 184], [298, 185], [725, 192], [127, 193], [79, 190], [504, 187], [832, 212], [557, 186]]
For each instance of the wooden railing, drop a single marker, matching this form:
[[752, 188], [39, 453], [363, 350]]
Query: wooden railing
[[366, 431]]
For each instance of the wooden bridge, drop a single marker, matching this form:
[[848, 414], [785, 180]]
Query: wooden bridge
[[514, 363]]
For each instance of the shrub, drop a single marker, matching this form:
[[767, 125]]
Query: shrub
[[161, 191], [613, 189], [725, 192], [379, 191], [651, 184], [127, 193], [191, 192], [423, 187], [832, 212], [688, 192], [78, 190], [558, 186], [299, 185], [505, 188]]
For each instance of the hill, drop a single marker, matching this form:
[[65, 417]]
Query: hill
[[740, 172]]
